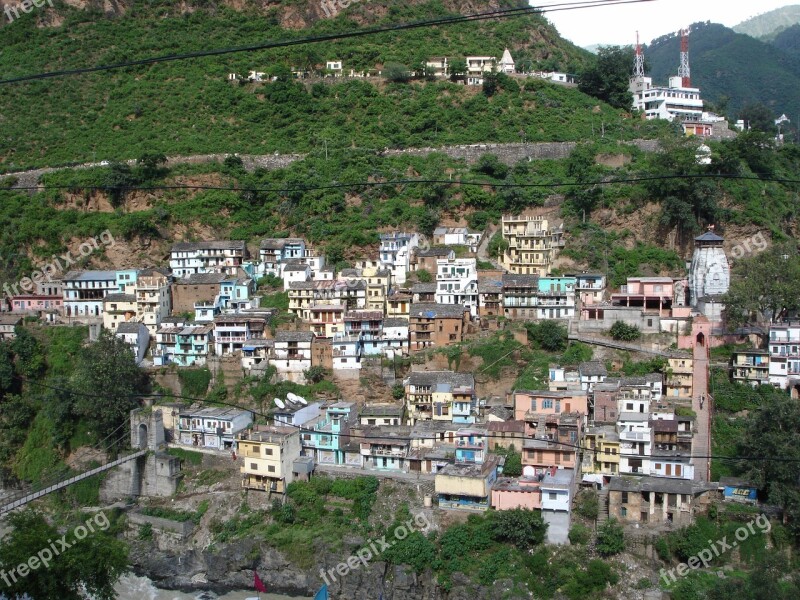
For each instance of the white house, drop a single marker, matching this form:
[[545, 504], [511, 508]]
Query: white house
[[784, 354], [395, 253], [84, 292], [136, 335], [226, 256], [212, 427], [457, 282], [292, 354], [556, 489]]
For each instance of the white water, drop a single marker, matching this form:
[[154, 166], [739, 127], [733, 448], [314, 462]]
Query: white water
[[131, 587]]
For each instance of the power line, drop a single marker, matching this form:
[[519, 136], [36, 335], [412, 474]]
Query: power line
[[447, 182], [496, 14], [512, 435]]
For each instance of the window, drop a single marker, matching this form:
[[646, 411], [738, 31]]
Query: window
[[547, 404], [253, 466], [552, 496], [624, 497], [271, 468], [268, 451], [623, 512]]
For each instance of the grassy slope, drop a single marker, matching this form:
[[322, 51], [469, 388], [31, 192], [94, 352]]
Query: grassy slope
[[188, 106]]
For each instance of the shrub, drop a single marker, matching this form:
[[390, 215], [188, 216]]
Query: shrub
[[625, 333], [610, 538], [424, 276], [587, 504], [579, 534], [522, 527], [513, 465]]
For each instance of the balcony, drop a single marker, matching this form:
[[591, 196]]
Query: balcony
[[475, 445], [635, 436]]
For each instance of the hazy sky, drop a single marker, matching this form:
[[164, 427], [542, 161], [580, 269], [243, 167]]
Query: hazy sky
[[617, 24]]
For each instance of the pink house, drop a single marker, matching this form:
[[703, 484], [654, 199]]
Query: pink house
[[655, 293], [35, 303], [547, 402], [509, 493]]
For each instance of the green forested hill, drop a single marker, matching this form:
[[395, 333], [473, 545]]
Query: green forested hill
[[189, 107], [731, 69], [770, 24]]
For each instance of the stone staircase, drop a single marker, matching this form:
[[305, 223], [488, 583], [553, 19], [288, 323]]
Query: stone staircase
[[602, 500]]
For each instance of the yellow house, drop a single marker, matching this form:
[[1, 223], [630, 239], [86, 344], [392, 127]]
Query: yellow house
[[269, 456], [533, 243], [602, 452], [466, 486], [679, 378], [118, 308]]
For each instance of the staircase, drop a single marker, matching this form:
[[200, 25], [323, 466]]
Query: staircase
[[602, 501]]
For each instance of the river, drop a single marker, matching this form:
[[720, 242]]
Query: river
[[131, 587]]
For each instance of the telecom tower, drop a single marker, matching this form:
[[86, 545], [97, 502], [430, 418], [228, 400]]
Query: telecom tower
[[638, 62], [683, 71]]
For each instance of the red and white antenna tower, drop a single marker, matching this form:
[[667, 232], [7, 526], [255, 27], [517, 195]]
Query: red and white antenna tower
[[683, 71], [638, 61]]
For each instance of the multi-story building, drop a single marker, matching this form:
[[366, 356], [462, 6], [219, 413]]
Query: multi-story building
[[434, 325], [602, 451], [232, 331], [750, 367], [292, 354], [425, 259], [467, 486], [216, 291], [556, 297], [347, 350], [675, 101], [382, 414], [784, 354], [153, 300], [398, 304], [457, 236], [385, 448], [118, 308], [274, 252], [457, 283], [520, 296], [590, 288], [478, 66], [190, 344], [134, 334], [212, 427], [269, 456], [8, 326], [440, 396], [395, 253], [533, 243], [350, 294], [85, 291], [219, 256], [547, 402], [490, 296], [658, 500], [679, 377]]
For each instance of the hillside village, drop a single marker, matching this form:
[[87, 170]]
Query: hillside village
[[585, 429], [564, 429]]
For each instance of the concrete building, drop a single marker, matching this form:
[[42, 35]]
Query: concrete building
[[425, 259], [219, 256], [490, 297], [292, 354], [658, 500], [118, 308], [750, 367], [457, 283], [212, 427], [8, 326], [509, 493], [382, 414], [533, 244], [467, 486], [590, 288], [784, 355], [679, 378], [395, 253], [85, 291], [232, 331], [440, 396], [153, 299], [269, 456], [134, 334], [457, 236], [547, 402], [183, 343], [275, 252], [673, 102], [434, 325]]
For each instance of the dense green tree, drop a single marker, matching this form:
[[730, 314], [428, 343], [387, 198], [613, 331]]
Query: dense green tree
[[87, 569], [763, 286], [522, 527], [315, 374], [16, 416], [490, 165], [548, 335], [458, 68], [7, 371], [30, 354], [577, 353], [757, 150], [587, 504], [513, 464], [397, 73], [610, 538], [771, 432], [118, 180], [623, 332], [105, 382], [581, 168], [608, 77], [497, 246], [758, 117], [151, 165]]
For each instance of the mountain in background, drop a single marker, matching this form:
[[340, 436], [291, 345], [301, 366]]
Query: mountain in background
[[732, 69], [765, 27]]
